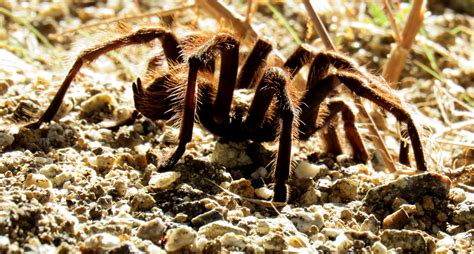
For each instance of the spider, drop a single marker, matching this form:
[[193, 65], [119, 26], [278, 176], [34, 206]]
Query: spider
[[187, 91]]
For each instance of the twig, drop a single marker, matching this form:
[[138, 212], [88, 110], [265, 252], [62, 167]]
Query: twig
[[122, 19], [248, 15], [220, 11], [394, 66], [454, 126], [377, 139], [455, 143], [391, 19], [319, 26]]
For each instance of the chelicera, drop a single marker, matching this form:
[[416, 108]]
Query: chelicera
[[187, 91]]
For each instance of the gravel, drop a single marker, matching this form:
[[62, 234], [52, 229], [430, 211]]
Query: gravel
[[74, 186]]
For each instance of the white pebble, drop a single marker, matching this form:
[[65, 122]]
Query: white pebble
[[264, 193], [60, 179], [342, 243], [163, 180], [50, 171], [218, 228], [4, 242], [308, 170], [97, 103], [37, 180], [105, 161], [102, 241], [305, 220], [379, 248], [6, 139], [179, 238], [233, 240]]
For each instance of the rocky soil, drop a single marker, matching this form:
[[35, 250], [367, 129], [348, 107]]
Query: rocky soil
[[74, 186]]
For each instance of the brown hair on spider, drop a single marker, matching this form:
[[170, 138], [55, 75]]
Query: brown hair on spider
[[188, 91]]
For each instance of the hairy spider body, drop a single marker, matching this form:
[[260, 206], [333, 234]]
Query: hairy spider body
[[187, 91]]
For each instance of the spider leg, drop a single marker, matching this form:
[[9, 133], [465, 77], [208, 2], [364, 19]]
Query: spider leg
[[277, 80], [187, 118], [229, 48], [298, 59], [361, 87], [169, 42], [260, 102], [204, 57], [331, 139], [352, 135], [249, 73]]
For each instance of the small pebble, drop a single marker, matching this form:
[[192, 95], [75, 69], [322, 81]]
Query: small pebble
[[342, 243], [207, 217], [396, 220], [371, 224], [96, 104], [142, 201], [218, 228], [344, 190], [261, 172], [232, 240], [181, 217], [264, 193], [50, 171], [428, 203], [378, 248], [305, 220], [457, 195], [6, 139], [102, 241], [309, 170], [242, 187], [120, 187], [178, 238], [163, 180], [38, 180], [60, 179], [105, 162], [152, 230]]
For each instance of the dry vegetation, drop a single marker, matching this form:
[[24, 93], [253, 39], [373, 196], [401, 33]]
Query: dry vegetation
[[73, 185]]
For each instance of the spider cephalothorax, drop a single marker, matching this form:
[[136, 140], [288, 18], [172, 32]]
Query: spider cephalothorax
[[187, 91]]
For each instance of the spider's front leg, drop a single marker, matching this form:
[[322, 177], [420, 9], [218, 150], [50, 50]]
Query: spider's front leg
[[168, 40], [274, 84], [228, 47]]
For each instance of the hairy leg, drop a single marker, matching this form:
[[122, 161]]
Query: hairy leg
[[361, 86], [144, 35], [249, 73]]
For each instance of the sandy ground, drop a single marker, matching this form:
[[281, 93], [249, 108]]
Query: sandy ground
[[74, 186]]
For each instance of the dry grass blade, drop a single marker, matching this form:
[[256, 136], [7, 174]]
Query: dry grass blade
[[220, 11], [391, 19], [394, 66]]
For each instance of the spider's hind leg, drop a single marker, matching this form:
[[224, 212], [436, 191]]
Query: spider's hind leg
[[352, 134], [361, 86]]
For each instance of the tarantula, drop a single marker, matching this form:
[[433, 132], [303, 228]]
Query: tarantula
[[274, 111]]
